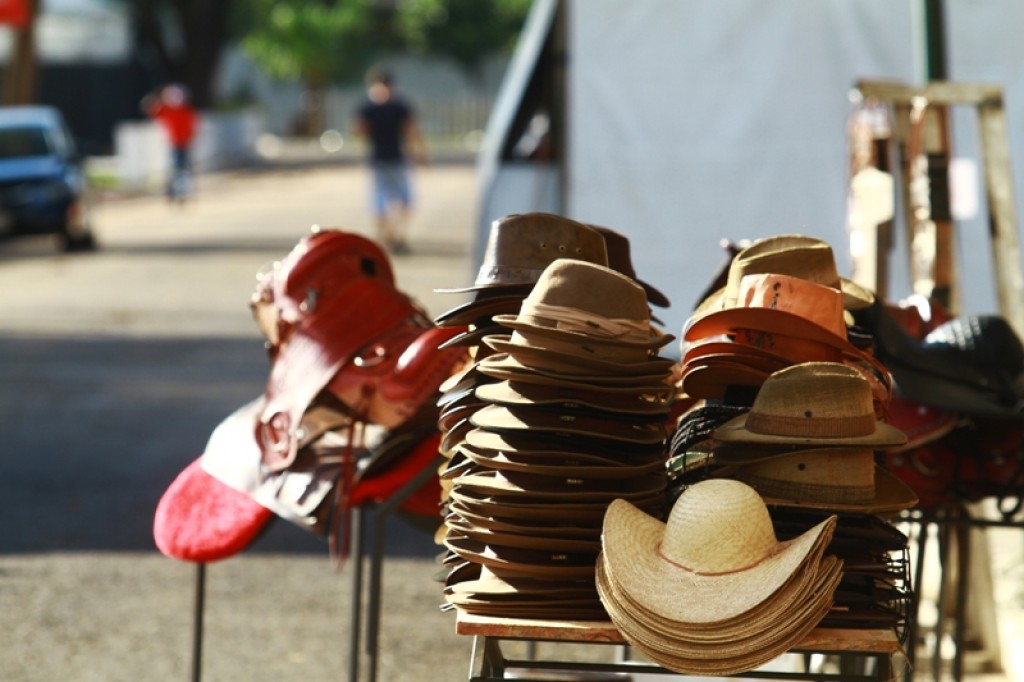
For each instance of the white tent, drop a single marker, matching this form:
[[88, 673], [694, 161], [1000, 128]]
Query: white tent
[[684, 122]]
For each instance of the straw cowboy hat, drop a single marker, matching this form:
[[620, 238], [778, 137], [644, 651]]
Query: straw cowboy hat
[[797, 255], [813, 404], [521, 245], [716, 558], [837, 479]]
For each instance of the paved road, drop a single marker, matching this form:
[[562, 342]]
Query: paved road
[[116, 366]]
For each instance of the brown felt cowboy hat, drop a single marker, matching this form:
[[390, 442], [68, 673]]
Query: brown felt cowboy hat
[[796, 255], [503, 366], [620, 259], [577, 300], [813, 404], [554, 463], [838, 479], [520, 246], [537, 419], [548, 353], [520, 393]]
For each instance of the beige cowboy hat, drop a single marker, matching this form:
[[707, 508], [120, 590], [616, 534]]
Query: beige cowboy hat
[[638, 429], [582, 301], [758, 640], [813, 404], [519, 393], [520, 246], [545, 352], [715, 558], [837, 479], [797, 255], [504, 367]]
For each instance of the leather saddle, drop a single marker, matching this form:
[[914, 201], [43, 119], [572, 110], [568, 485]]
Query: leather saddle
[[973, 365]]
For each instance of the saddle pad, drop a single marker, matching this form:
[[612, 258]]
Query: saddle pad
[[202, 520]]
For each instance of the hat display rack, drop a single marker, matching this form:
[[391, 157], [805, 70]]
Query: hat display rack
[[716, 508]]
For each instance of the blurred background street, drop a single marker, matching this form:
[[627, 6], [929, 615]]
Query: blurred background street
[[117, 365]]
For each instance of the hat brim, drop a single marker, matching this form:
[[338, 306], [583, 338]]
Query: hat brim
[[480, 308], [735, 431], [504, 366], [505, 418], [768, 320], [657, 338], [631, 547], [891, 495], [519, 393], [553, 360]]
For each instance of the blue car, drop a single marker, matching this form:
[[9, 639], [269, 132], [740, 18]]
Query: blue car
[[42, 187]]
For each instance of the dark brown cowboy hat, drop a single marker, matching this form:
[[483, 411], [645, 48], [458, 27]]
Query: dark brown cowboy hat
[[520, 246]]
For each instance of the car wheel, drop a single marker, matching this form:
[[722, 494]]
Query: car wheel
[[77, 243]]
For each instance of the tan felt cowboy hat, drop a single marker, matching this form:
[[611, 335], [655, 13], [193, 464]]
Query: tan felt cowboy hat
[[553, 463], [796, 255], [527, 540], [533, 562], [505, 366], [514, 484], [520, 246], [717, 555], [583, 359], [568, 510], [519, 393], [620, 259], [533, 419], [838, 479], [587, 302], [560, 441], [814, 404], [539, 527]]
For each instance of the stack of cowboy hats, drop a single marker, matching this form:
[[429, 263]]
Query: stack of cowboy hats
[[807, 445], [712, 591], [519, 247], [575, 416], [783, 303]]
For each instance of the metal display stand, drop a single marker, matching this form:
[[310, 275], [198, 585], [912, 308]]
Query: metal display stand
[[913, 150], [870, 652], [367, 556]]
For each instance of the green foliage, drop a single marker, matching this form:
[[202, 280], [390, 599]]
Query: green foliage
[[313, 42], [465, 30]]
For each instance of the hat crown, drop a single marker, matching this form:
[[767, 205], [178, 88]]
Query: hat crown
[[718, 526], [521, 245], [590, 287], [820, 304], [814, 399]]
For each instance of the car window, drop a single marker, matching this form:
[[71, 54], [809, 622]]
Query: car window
[[24, 141]]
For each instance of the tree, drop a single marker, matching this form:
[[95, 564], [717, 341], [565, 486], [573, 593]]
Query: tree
[[316, 43], [187, 37], [468, 31]]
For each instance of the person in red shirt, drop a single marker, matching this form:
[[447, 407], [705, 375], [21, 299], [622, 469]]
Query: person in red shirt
[[171, 109]]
